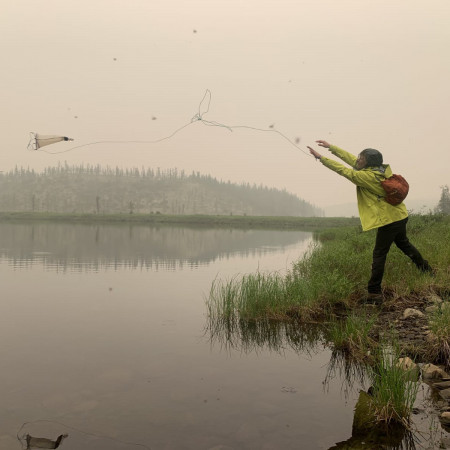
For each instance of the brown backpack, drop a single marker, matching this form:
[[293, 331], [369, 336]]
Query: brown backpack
[[396, 188]]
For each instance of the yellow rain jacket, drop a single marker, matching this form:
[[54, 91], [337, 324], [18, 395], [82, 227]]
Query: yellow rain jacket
[[374, 211]]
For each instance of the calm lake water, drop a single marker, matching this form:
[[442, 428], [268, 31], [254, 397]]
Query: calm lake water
[[103, 336]]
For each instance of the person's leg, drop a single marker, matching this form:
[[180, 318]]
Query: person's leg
[[383, 242], [402, 242]]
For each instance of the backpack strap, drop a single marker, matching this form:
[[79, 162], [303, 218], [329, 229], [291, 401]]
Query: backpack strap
[[383, 177]]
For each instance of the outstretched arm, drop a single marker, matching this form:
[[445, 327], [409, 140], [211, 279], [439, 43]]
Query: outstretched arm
[[360, 178], [342, 154]]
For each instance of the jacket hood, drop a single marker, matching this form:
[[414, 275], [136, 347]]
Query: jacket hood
[[384, 169]]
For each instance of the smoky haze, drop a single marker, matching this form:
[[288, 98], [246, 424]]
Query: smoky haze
[[355, 73]]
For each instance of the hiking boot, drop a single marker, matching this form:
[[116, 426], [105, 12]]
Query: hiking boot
[[426, 268], [373, 299]]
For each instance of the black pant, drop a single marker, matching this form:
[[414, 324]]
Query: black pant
[[394, 232]]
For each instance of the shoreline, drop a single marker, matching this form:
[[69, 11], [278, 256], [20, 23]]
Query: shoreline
[[281, 222]]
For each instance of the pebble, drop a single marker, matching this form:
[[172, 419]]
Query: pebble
[[445, 418], [433, 298], [411, 312], [430, 372]]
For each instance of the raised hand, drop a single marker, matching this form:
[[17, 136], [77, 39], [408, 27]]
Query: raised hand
[[323, 143], [316, 155]]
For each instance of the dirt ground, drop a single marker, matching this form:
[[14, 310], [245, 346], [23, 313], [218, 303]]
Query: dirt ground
[[412, 332]]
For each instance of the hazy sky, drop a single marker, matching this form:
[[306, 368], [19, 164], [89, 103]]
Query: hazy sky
[[358, 73]]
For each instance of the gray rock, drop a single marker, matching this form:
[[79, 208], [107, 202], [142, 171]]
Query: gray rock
[[409, 366], [411, 312], [432, 372], [433, 298], [406, 363]]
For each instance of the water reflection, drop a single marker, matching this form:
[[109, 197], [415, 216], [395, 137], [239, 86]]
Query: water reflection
[[352, 373], [90, 247], [275, 335], [365, 434]]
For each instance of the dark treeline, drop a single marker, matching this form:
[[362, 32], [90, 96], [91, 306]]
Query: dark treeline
[[96, 189]]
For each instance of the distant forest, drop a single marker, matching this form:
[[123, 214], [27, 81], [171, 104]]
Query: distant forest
[[96, 189]]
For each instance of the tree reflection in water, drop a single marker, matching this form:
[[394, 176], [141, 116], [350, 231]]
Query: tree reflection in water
[[91, 247]]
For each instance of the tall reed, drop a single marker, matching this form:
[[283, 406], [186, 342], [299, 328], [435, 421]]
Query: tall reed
[[393, 391], [439, 340], [352, 336]]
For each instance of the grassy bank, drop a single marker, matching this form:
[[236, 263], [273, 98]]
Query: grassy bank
[[277, 222], [335, 272]]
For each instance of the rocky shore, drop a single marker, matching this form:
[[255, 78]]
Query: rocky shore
[[409, 318]]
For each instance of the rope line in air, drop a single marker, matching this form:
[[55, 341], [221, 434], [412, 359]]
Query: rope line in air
[[198, 117]]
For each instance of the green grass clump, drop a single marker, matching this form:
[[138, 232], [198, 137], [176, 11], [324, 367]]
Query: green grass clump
[[253, 296], [440, 322], [333, 271], [352, 336], [440, 328], [393, 392], [241, 307]]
